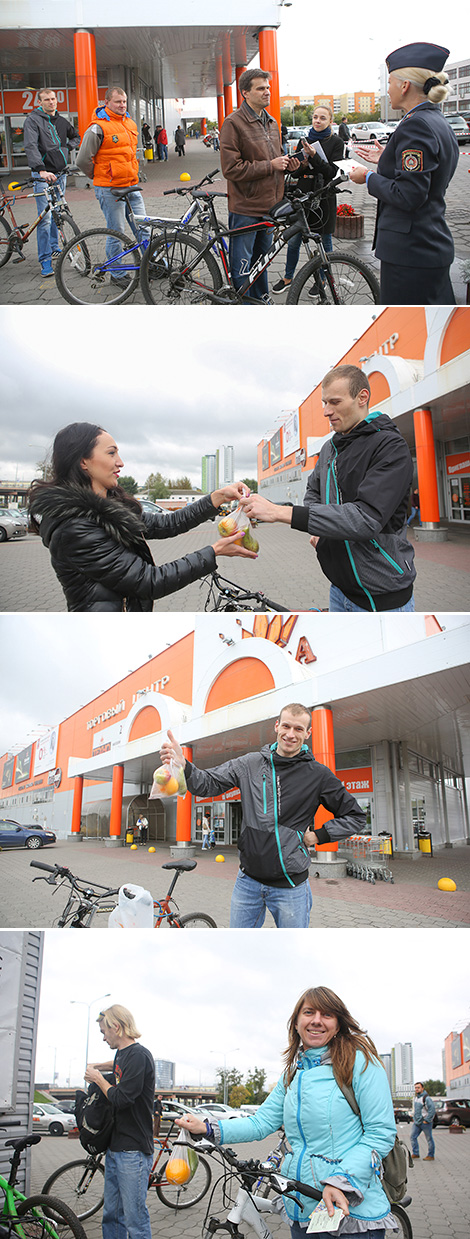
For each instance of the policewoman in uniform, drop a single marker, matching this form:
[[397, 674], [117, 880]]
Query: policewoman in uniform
[[411, 237]]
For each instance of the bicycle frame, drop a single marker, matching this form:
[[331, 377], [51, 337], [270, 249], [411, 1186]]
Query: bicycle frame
[[22, 232]]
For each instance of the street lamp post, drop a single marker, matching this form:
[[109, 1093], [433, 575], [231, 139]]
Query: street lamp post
[[224, 1053], [81, 1003]]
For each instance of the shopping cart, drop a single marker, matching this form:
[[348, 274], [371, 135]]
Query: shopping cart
[[365, 857]]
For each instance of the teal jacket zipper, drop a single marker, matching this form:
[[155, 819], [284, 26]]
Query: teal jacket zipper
[[276, 825], [348, 548]]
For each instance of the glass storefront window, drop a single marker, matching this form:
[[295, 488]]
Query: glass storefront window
[[3, 154], [16, 139], [353, 759], [16, 81]]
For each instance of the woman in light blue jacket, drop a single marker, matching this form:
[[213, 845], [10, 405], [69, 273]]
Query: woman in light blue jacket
[[331, 1147]]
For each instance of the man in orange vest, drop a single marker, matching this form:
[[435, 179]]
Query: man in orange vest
[[108, 154]]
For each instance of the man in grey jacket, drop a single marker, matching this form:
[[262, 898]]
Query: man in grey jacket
[[423, 1114], [281, 789], [48, 139]]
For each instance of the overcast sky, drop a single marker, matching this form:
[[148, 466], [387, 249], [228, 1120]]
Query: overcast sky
[[233, 992], [170, 386], [52, 664]]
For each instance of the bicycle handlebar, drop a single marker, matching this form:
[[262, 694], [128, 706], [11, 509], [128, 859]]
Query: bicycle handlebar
[[37, 864], [63, 872], [185, 189], [257, 1169]]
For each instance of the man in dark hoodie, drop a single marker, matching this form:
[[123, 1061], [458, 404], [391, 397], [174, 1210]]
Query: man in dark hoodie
[[48, 138], [356, 502], [281, 789]]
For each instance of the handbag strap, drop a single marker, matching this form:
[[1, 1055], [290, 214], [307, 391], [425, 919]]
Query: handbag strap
[[348, 1092]]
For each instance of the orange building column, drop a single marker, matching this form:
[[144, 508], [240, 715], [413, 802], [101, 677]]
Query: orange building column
[[116, 803], [268, 61], [219, 79], [323, 749], [227, 73], [183, 808], [77, 804], [203, 127], [86, 77], [240, 63], [426, 463]]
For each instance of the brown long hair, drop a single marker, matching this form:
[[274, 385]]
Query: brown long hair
[[344, 1045]]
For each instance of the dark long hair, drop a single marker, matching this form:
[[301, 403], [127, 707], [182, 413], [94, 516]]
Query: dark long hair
[[343, 1046], [71, 445]]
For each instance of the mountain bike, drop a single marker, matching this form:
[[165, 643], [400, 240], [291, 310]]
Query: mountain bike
[[14, 236], [33, 1217], [81, 1183], [179, 268], [86, 900], [225, 595], [88, 274]]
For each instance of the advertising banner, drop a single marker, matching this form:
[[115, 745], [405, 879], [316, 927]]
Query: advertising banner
[[458, 463], [466, 1044], [23, 764], [7, 776], [456, 1052], [276, 448], [292, 434], [265, 457], [45, 758], [357, 780]]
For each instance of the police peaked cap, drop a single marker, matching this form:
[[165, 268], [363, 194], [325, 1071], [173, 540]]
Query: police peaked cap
[[418, 56]]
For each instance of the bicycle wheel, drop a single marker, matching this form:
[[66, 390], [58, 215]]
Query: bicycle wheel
[[80, 1185], [67, 229], [86, 276], [182, 1196], [165, 278], [405, 1230], [196, 920], [346, 282], [5, 247], [45, 1217]]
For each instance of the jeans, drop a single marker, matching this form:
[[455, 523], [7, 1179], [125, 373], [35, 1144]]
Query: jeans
[[289, 907], [414, 512], [162, 150], [116, 213], [416, 1130], [293, 251], [244, 250], [125, 1210], [298, 1232], [47, 234], [339, 602]]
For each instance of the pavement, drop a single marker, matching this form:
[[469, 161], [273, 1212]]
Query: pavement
[[412, 901], [440, 1190], [286, 571], [22, 283]]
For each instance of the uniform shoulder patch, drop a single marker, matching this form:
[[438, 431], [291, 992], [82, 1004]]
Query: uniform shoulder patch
[[412, 161]]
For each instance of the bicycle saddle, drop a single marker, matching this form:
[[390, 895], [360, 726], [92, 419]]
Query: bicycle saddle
[[23, 1142], [184, 866], [122, 193]]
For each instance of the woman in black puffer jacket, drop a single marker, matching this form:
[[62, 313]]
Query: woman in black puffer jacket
[[314, 174], [96, 533]]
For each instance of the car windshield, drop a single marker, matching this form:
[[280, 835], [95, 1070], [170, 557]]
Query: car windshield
[[50, 1109]]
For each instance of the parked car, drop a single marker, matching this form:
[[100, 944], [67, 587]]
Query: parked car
[[452, 1113], [403, 1116], [13, 835], [459, 126], [148, 506], [20, 514], [368, 130], [294, 134], [172, 1110], [11, 526], [47, 1117]]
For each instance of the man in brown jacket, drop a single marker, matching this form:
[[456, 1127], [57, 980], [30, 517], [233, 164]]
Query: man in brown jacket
[[254, 166]]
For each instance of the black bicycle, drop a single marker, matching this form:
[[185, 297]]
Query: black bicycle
[[87, 900], [13, 236], [225, 595], [179, 268]]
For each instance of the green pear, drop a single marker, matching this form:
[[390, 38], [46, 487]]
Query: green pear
[[249, 542]]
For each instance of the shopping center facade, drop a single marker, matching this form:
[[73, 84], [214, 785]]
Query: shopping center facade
[[161, 56], [389, 702], [417, 359]]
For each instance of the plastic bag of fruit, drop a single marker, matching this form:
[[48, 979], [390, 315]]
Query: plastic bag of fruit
[[183, 1162], [168, 781], [237, 522]]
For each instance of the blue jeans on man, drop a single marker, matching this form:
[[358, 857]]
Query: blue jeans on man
[[125, 1212], [116, 212], [244, 251], [47, 234], [339, 602], [290, 906], [416, 1130], [162, 150]]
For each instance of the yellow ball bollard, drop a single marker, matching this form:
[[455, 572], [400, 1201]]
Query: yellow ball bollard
[[133, 847], [151, 849], [446, 884], [220, 858], [185, 176]]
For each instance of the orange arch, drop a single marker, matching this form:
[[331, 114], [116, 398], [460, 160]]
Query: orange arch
[[379, 388], [245, 678], [145, 723], [456, 339]]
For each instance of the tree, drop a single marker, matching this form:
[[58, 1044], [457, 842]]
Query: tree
[[180, 484], [238, 1095], [156, 486], [252, 483], [233, 1077], [436, 1088], [129, 484], [255, 1083]]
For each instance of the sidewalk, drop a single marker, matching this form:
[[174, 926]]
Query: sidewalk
[[287, 571], [412, 901], [440, 1190], [22, 284]]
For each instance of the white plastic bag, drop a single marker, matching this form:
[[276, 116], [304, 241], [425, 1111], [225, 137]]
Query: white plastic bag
[[134, 909], [168, 781]]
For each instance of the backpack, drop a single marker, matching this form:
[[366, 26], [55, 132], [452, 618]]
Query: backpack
[[395, 1164], [95, 1119]]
